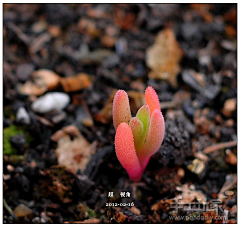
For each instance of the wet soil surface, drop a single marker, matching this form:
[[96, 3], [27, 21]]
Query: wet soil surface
[[59, 162]]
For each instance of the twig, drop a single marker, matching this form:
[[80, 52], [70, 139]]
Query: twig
[[219, 146], [38, 43], [166, 105], [13, 159], [19, 33], [87, 221], [8, 208], [44, 121]]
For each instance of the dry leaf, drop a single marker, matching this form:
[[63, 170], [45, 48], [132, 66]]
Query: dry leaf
[[231, 182], [46, 77], [75, 83], [189, 194], [73, 154], [70, 130], [105, 114], [42, 81], [164, 56], [29, 88]]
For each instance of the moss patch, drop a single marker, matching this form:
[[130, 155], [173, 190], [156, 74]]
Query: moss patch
[[91, 213], [8, 149]]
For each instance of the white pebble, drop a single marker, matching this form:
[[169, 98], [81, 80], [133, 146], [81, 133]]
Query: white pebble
[[51, 101], [22, 116]]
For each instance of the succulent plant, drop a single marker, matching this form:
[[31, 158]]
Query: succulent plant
[[137, 138]]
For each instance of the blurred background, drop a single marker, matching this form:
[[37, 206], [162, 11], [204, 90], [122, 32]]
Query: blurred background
[[62, 65]]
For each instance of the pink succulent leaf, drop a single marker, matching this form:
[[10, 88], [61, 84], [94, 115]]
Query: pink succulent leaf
[[125, 151], [138, 134], [121, 108], [154, 137], [144, 115], [151, 99], [144, 164]]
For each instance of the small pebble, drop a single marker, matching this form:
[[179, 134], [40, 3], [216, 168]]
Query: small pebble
[[231, 157], [229, 193], [18, 141], [229, 107], [24, 71], [229, 123], [230, 104], [197, 166], [135, 210], [36, 220], [88, 122], [6, 177], [181, 172], [23, 116], [54, 30], [51, 101], [7, 122], [121, 46], [39, 26], [10, 168], [44, 217]]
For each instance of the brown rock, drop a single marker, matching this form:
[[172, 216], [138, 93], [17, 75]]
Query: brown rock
[[135, 210], [108, 41], [88, 26], [181, 172], [54, 30], [231, 157], [88, 122], [229, 107], [21, 210]]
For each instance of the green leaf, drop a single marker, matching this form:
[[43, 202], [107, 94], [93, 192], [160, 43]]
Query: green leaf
[[138, 133], [154, 137], [143, 115]]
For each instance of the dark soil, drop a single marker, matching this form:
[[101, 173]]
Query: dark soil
[[198, 156]]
